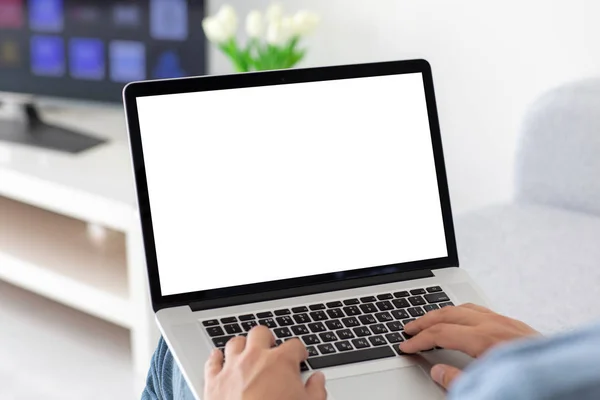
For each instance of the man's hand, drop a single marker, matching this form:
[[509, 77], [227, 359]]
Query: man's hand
[[468, 328], [254, 370]]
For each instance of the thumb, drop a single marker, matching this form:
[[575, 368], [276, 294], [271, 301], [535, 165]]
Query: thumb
[[315, 387], [444, 375]]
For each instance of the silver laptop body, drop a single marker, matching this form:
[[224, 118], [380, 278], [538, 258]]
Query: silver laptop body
[[311, 201]]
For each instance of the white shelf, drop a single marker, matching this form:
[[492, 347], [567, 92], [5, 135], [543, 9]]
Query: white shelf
[[52, 255]]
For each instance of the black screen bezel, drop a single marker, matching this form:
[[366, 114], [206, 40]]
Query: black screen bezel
[[281, 77]]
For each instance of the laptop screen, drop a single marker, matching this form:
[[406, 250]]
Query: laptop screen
[[275, 182]]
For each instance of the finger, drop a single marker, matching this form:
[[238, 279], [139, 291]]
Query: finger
[[294, 349], [260, 336], [446, 315], [235, 346], [213, 365], [476, 307], [449, 336], [315, 387], [444, 375]]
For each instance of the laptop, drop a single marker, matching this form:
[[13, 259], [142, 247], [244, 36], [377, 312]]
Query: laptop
[[311, 201]]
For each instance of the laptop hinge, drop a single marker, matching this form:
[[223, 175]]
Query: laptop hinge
[[308, 290]]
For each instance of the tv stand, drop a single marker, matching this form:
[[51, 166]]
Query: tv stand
[[28, 128]]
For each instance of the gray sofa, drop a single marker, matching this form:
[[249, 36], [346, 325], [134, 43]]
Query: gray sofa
[[538, 258]]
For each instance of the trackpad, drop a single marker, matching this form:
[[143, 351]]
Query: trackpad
[[403, 383]]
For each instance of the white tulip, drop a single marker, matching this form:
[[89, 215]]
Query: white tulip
[[222, 26], [279, 32], [274, 13], [305, 22], [214, 30], [254, 24]]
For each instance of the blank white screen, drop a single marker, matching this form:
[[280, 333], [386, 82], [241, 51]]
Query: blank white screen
[[260, 184]]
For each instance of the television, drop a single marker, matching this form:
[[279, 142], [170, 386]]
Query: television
[[89, 50]]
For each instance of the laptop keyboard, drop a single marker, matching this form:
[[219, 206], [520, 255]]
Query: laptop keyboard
[[338, 332]]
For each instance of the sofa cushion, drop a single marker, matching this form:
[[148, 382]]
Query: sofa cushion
[[536, 263]]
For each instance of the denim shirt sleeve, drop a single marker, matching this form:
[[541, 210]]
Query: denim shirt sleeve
[[564, 367]]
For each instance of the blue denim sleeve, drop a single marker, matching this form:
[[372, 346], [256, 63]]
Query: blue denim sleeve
[[165, 381], [564, 367]]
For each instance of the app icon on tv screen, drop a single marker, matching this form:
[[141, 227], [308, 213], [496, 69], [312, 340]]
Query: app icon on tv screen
[[86, 58], [46, 15], [127, 61], [169, 19], [168, 66], [11, 14], [47, 55]]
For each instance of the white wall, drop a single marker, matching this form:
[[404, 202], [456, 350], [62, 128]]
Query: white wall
[[490, 59]]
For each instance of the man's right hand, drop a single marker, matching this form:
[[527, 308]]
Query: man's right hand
[[468, 328]]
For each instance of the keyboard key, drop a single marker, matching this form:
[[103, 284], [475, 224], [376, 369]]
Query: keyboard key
[[404, 293], [243, 334], [442, 305], [437, 297], [378, 329], [269, 322], [385, 296], [266, 314], [300, 330], [401, 303], [278, 342], [228, 320], [301, 309], [335, 313], [334, 304], [316, 327], [406, 321], [351, 311], [343, 346], [430, 307], [368, 308], [249, 325], [303, 367], [318, 316], [283, 311], [285, 321], [417, 301], [328, 337], [416, 292], [222, 341], [316, 307], [282, 332], [246, 317], [367, 319], [310, 339], [210, 322], [397, 350], [400, 314], [394, 337], [394, 326], [406, 336], [334, 324], [384, 306], [368, 299], [232, 329], [350, 357], [416, 312], [345, 334], [350, 322], [361, 343], [301, 318], [215, 331], [326, 349], [377, 340], [383, 316], [362, 331], [434, 289], [312, 351], [351, 302]]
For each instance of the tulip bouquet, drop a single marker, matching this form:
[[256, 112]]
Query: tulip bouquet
[[273, 38]]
